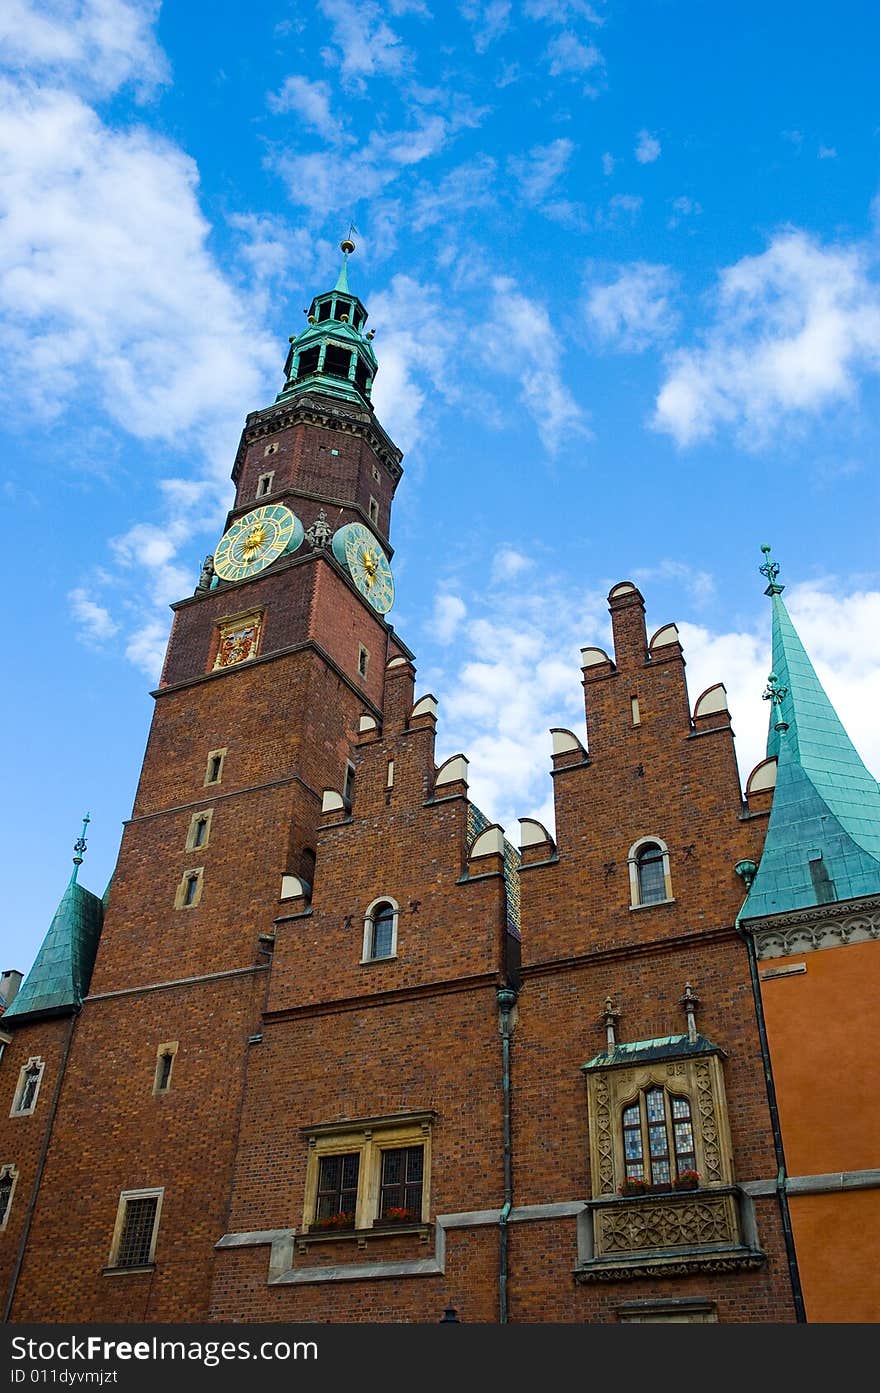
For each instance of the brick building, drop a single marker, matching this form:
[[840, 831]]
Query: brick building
[[329, 1048]]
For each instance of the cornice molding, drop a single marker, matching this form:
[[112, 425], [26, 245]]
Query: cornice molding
[[308, 410], [816, 928]]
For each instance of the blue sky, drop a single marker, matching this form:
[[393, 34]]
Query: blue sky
[[622, 263]]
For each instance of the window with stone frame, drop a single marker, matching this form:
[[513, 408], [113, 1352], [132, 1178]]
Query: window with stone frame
[[136, 1229], [380, 930], [650, 881], [372, 1173], [27, 1088], [8, 1177]]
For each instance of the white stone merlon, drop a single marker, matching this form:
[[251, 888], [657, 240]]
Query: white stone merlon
[[762, 777], [712, 700], [332, 802], [565, 742], [367, 723], [668, 634], [592, 657], [532, 832], [454, 771], [488, 843], [425, 706]]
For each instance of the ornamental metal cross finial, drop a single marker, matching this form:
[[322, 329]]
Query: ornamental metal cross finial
[[776, 695], [80, 845], [770, 569]]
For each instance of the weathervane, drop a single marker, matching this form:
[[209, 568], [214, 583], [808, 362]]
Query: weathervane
[[80, 846]]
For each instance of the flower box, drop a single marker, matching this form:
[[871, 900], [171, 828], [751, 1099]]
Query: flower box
[[331, 1223], [397, 1215], [687, 1180]]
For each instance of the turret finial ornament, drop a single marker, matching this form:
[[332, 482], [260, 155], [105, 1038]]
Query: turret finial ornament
[[770, 569]]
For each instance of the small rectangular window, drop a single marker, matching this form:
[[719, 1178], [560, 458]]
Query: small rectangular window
[[265, 482], [214, 768], [137, 1222], [363, 660], [374, 511], [164, 1065], [192, 887], [189, 889]]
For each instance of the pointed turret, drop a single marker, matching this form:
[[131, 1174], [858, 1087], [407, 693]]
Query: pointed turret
[[62, 970], [823, 838], [333, 356]]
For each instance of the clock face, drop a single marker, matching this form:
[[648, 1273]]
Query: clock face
[[256, 540], [355, 548]]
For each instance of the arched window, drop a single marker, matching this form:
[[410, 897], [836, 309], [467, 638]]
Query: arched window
[[380, 930], [649, 872], [658, 1137]]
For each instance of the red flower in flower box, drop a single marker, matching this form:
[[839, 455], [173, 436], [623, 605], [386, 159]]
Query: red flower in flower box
[[633, 1186], [331, 1222], [399, 1214], [687, 1180]]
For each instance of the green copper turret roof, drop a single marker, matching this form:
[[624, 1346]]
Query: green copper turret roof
[[334, 353], [62, 970], [823, 838]]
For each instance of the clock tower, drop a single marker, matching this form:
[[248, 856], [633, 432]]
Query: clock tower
[[273, 665]]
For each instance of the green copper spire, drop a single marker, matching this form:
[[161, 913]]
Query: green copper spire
[[823, 839], [334, 355], [62, 970]]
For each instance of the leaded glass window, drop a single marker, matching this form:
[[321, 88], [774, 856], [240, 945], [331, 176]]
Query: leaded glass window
[[658, 1125], [401, 1182], [651, 873], [382, 937], [338, 1185]]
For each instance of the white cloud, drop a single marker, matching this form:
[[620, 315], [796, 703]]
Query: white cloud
[[699, 585], [608, 163], [95, 621], [107, 288], [311, 102], [146, 647], [793, 329], [507, 563], [569, 57], [683, 207], [537, 172], [96, 44], [647, 147], [634, 309], [449, 611], [519, 333], [827, 152], [415, 345], [463, 189], [489, 19], [621, 206], [365, 44]]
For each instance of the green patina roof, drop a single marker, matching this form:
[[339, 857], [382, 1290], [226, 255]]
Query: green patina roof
[[336, 332], [62, 970], [823, 838], [478, 822], [642, 1051]]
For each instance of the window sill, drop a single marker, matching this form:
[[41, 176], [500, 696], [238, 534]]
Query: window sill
[[362, 1236], [655, 904], [127, 1271], [370, 962]]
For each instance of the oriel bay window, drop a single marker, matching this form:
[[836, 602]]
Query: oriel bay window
[[368, 1174]]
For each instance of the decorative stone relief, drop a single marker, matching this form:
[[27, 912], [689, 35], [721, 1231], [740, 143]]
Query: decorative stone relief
[[670, 1222]]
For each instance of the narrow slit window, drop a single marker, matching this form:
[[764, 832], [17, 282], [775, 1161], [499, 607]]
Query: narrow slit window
[[8, 1175], [389, 777], [634, 706], [348, 785], [191, 889], [164, 1066], [200, 832], [374, 511], [265, 482], [363, 660], [214, 767]]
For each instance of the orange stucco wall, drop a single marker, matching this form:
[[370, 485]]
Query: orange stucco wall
[[824, 1032]]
